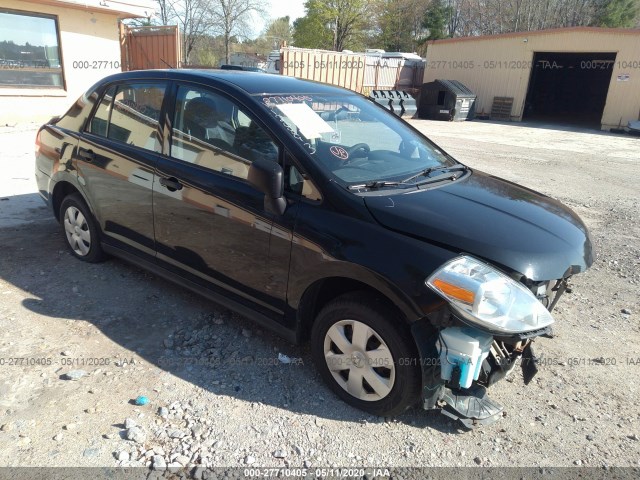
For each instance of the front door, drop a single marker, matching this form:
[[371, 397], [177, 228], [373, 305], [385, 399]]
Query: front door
[[210, 223]]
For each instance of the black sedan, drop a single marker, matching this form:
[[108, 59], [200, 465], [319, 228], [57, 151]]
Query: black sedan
[[323, 216]]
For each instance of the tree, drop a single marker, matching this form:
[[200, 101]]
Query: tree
[[207, 51], [279, 30], [310, 31], [489, 17], [232, 18], [617, 13], [436, 19], [165, 11], [398, 24], [194, 19], [276, 32], [340, 22]]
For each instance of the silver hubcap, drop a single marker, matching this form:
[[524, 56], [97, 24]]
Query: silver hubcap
[[77, 230], [359, 360]]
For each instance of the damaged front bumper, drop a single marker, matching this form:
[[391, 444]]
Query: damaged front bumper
[[471, 405]]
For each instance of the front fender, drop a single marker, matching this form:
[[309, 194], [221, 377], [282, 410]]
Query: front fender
[[327, 244], [340, 271]]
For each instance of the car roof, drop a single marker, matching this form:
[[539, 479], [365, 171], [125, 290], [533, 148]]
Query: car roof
[[253, 83]]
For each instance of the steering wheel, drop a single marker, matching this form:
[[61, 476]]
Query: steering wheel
[[357, 147]]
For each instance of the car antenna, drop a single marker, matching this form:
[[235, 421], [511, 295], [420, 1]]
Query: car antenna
[[162, 60]]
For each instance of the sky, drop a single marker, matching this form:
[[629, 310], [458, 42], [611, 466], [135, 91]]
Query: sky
[[39, 32]]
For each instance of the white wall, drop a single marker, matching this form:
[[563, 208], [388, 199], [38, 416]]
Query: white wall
[[84, 36]]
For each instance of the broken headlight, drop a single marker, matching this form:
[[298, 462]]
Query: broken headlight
[[483, 295]]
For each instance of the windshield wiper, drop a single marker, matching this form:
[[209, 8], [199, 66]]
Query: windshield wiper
[[374, 184], [403, 183], [428, 171]]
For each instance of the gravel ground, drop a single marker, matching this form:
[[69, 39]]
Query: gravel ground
[[79, 342]]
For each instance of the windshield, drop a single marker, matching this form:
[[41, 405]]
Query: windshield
[[355, 140]]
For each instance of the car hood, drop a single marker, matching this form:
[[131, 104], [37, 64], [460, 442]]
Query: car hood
[[492, 218]]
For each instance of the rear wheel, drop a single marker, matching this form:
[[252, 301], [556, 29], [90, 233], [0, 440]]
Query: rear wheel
[[365, 354], [80, 229]]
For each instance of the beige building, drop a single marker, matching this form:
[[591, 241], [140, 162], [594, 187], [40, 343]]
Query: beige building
[[51, 51], [580, 75]]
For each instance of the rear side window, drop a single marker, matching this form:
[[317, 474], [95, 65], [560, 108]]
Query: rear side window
[[100, 120], [130, 113], [78, 114]]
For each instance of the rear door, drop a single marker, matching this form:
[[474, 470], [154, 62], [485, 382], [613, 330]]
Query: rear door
[[116, 157], [210, 223]]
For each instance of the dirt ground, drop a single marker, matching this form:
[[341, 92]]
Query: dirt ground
[[133, 334]]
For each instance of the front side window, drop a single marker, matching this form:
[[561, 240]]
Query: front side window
[[352, 139], [130, 114], [29, 50], [212, 131]]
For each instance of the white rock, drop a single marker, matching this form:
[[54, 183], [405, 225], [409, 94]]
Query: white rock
[[159, 463], [123, 456], [284, 358], [136, 434], [74, 375], [91, 452]]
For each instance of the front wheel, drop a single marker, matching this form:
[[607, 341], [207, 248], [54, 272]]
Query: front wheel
[[365, 353], [80, 229]]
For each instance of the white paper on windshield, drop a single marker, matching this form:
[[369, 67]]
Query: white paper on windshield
[[308, 121]]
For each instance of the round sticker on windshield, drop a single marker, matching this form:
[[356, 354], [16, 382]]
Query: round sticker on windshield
[[339, 152]]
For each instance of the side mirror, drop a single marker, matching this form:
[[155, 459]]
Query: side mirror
[[268, 177]]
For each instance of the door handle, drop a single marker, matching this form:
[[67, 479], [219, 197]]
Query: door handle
[[172, 184], [86, 155]]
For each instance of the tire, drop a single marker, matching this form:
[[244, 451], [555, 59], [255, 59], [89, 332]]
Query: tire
[[80, 229], [383, 369]]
